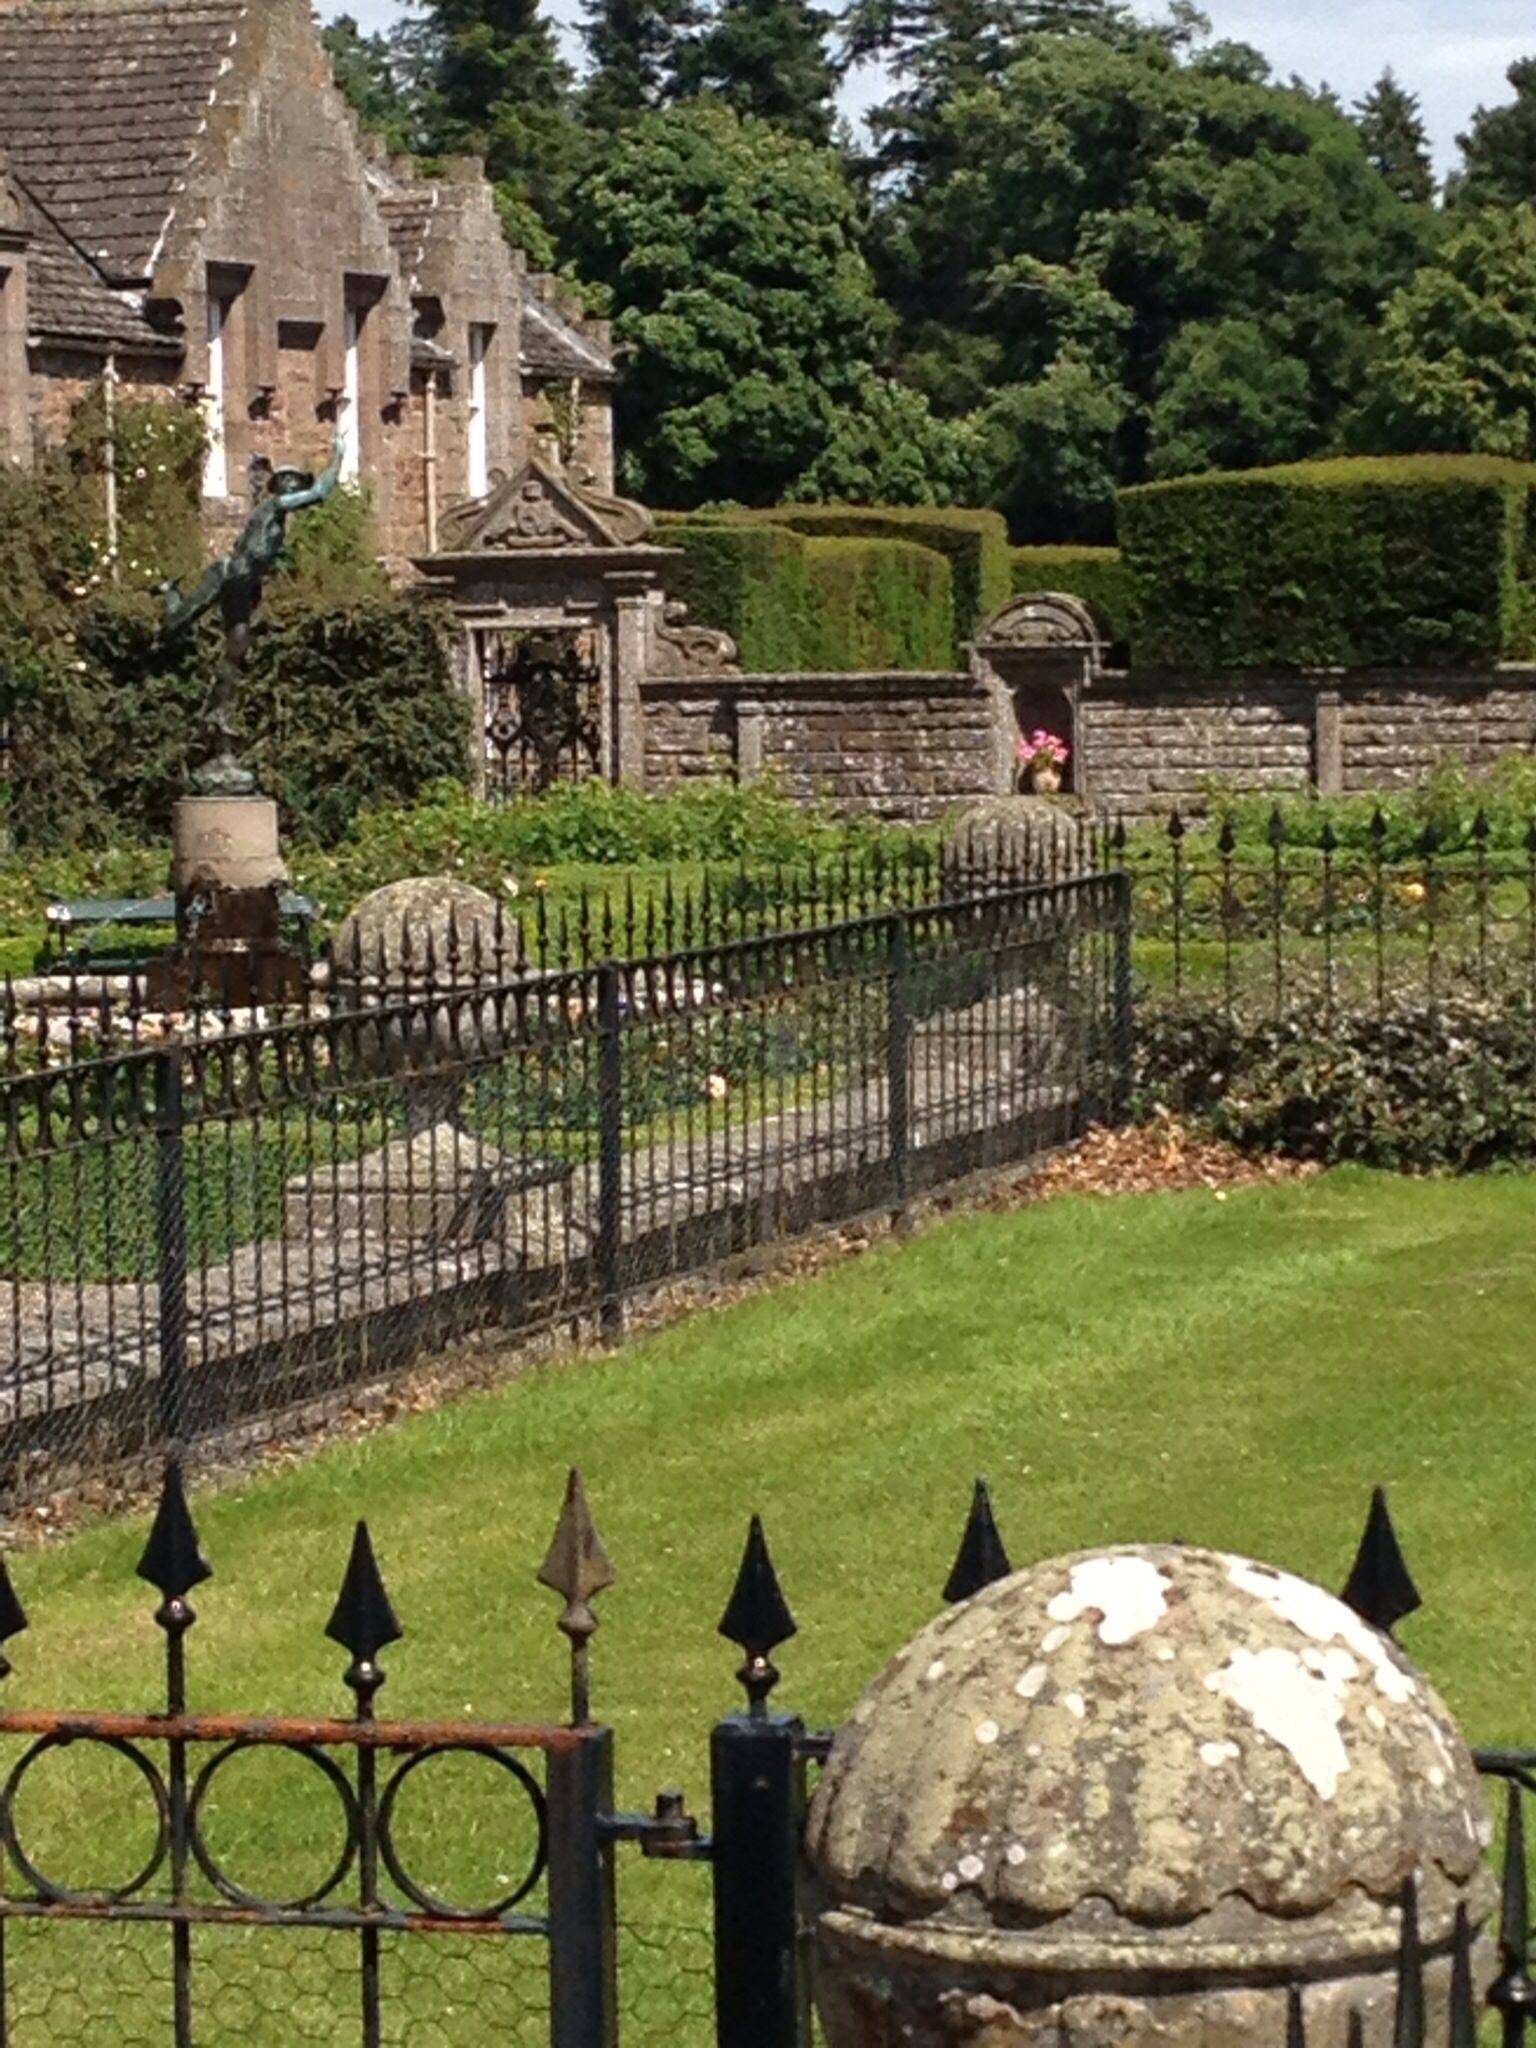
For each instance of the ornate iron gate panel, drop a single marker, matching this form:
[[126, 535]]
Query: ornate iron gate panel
[[543, 710]]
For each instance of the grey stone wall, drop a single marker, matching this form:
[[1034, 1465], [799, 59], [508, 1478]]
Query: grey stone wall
[[908, 746], [1149, 741]]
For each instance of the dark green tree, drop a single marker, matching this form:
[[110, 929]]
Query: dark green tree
[[496, 86], [1229, 396], [769, 59], [1070, 219], [1455, 367], [731, 256], [1396, 140], [1500, 147], [635, 49]]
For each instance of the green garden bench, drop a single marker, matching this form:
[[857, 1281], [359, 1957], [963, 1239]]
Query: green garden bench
[[74, 925]]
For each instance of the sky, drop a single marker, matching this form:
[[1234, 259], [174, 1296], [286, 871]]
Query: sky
[[1452, 53]]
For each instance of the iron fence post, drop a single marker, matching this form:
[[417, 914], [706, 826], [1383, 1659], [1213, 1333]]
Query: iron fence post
[[757, 1784], [610, 1147], [1123, 996], [583, 1915], [898, 1043], [171, 1242]]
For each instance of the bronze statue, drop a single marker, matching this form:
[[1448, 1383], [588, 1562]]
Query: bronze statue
[[234, 583]]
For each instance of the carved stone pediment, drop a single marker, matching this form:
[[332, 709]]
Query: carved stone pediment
[[679, 649], [535, 509], [1045, 618]]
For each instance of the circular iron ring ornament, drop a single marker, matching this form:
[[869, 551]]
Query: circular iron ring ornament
[[208, 1863], [44, 1885], [416, 1893]]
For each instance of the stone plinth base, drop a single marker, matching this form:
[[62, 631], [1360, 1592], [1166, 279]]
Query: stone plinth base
[[443, 1186]]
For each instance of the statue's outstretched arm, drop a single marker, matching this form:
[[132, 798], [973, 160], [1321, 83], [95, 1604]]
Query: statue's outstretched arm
[[322, 487]]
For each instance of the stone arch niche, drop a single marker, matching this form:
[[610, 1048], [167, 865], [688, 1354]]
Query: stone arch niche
[[1038, 654]]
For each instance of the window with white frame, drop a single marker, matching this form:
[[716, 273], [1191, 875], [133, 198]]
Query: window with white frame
[[479, 478], [215, 386], [350, 422]]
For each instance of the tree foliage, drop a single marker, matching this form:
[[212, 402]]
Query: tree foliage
[[731, 255], [1455, 369], [1500, 146], [769, 59]]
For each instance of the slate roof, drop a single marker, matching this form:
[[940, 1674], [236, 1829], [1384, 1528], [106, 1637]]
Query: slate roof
[[67, 299], [102, 103], [556, 346]]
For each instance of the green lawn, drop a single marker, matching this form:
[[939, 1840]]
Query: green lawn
[[1234, 1371]]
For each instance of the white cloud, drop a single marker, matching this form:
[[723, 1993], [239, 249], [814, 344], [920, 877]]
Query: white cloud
[[1452, 53]]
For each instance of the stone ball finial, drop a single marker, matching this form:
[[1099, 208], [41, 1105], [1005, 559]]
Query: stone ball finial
[[426, 933], [1126, 1795]]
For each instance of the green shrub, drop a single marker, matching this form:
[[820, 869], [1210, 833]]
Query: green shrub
[[975, 544], [1423, 1085], [347, 700], [1096, 575], [1341, 564], [1448, 802], [818, 603]]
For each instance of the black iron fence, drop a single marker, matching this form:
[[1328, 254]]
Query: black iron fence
[[1290, 918], [319, 1915], [209, 1216]]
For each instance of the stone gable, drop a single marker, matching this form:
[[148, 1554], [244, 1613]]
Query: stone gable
[[193, 197]]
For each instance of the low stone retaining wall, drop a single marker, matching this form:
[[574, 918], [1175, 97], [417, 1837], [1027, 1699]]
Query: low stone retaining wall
[[894, 745], [914, 746], [1149, 739]]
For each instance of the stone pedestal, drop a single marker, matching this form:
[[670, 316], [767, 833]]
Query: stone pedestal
[[225, 843], [227, 872]]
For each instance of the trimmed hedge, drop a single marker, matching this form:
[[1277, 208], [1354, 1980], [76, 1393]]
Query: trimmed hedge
[[1354, 563], [1096, 575], [880, 605], [974, 543], [827, 604]]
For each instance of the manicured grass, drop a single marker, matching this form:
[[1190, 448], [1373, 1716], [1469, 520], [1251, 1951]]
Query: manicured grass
[[1234, 1371]]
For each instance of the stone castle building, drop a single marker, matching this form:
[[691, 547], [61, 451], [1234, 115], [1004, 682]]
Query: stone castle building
[[188, 205]]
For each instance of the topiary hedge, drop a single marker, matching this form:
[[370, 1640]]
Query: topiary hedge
[[1096, 575], [830, 604], [1354, 563], [973, 542], [880, 605]]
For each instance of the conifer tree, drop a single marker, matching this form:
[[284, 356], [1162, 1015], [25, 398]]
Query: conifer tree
[[1395, 138], [1500, 146], [498, 87], [770, 59], [636, 49]]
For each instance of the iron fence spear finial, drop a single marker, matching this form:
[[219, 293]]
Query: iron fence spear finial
[[13, 1616], [757, 1618], [578, 1568], [1380, 1586], [173, 1562], [981, 1557], [363, 1621]]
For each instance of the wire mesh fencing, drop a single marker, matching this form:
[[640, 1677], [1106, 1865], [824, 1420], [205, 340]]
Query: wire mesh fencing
[[217, 1216]]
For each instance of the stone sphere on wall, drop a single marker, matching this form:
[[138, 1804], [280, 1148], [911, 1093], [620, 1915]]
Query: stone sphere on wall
[[1130, 1795]]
